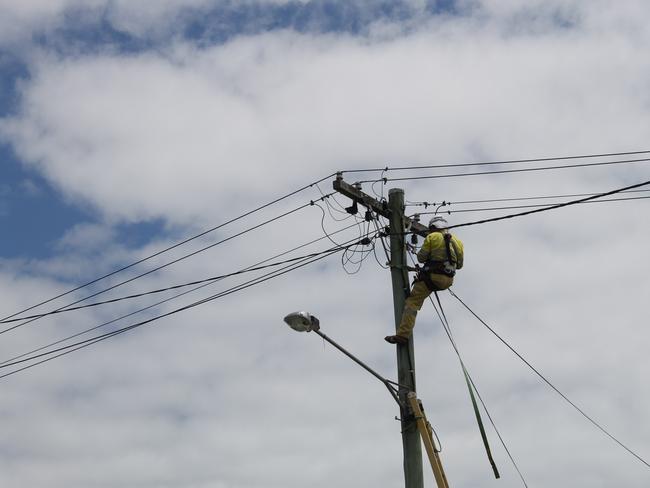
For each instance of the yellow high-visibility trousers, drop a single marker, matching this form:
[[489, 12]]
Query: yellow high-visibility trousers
[[419, 293]]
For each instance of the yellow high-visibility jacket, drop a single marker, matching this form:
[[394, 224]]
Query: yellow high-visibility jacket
[[433, 249]]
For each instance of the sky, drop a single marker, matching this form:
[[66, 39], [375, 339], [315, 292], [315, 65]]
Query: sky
[[128, 127]]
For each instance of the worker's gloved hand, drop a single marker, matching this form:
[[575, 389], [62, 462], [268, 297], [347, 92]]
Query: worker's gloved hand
[[396, 339]]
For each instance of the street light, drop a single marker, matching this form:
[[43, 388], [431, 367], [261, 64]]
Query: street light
[[302, 322], [305, 322]]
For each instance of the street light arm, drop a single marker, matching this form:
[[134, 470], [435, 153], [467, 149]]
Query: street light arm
[[386, 382]]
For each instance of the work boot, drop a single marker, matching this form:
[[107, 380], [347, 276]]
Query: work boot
[[396, 339]]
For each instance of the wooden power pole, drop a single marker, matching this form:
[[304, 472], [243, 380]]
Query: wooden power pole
[[405, 352], [394, 212]]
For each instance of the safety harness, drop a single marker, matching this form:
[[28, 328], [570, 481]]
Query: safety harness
[[446, 267]]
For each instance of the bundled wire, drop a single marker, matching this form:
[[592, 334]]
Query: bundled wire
[[61, 351], [158, 268], [166, 300], [174, 246], [349, 256]]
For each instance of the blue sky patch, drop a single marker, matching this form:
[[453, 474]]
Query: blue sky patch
[[23, 192], [32, 215]]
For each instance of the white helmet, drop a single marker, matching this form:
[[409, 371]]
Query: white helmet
[[438, 222]]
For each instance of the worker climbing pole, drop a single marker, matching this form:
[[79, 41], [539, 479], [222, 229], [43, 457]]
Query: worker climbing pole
[[442, 254]]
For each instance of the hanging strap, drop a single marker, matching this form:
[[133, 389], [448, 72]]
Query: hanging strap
[[480, 422], [477, 412]]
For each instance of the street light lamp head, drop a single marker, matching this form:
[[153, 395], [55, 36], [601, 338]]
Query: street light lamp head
[[302, 321]]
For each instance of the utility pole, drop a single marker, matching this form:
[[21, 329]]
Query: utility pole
[[405, 352], [394, 212]]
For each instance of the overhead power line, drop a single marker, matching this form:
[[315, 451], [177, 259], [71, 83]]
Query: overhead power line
[[539, 205], [506, 171], [294, 192], [169, 288], [553, 207], [551, 385], [93, 340], [491, 163], [157, 268], [174, 246], [510, 199], [166, 300]]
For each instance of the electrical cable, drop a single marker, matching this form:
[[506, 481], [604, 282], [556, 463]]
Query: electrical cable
[[512, 199], [94, 340], [546, 205], [331, 208], [277, 200], [186, 256], [490, 163], [443, 319], [158, 253], [551, 385], [349, 258], [553, 207], [186, 307], [471, 384], [507, 171], [383, 244], [168, 299], [161, 290], [345, 259], [383, 182]]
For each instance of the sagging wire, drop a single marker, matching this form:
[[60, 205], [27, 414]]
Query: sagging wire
[[331, 208], [548, 382], [383, 180], [347, 257], [382, 239], [386, 253], [470, 384]]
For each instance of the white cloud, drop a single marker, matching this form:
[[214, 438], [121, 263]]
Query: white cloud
[[225, 395], [203, 121]]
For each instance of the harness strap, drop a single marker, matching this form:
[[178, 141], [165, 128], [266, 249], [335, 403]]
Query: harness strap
[[424, 276], [447, 238]]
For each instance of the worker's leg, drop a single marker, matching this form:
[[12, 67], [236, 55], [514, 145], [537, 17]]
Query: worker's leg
[[419, 294]]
